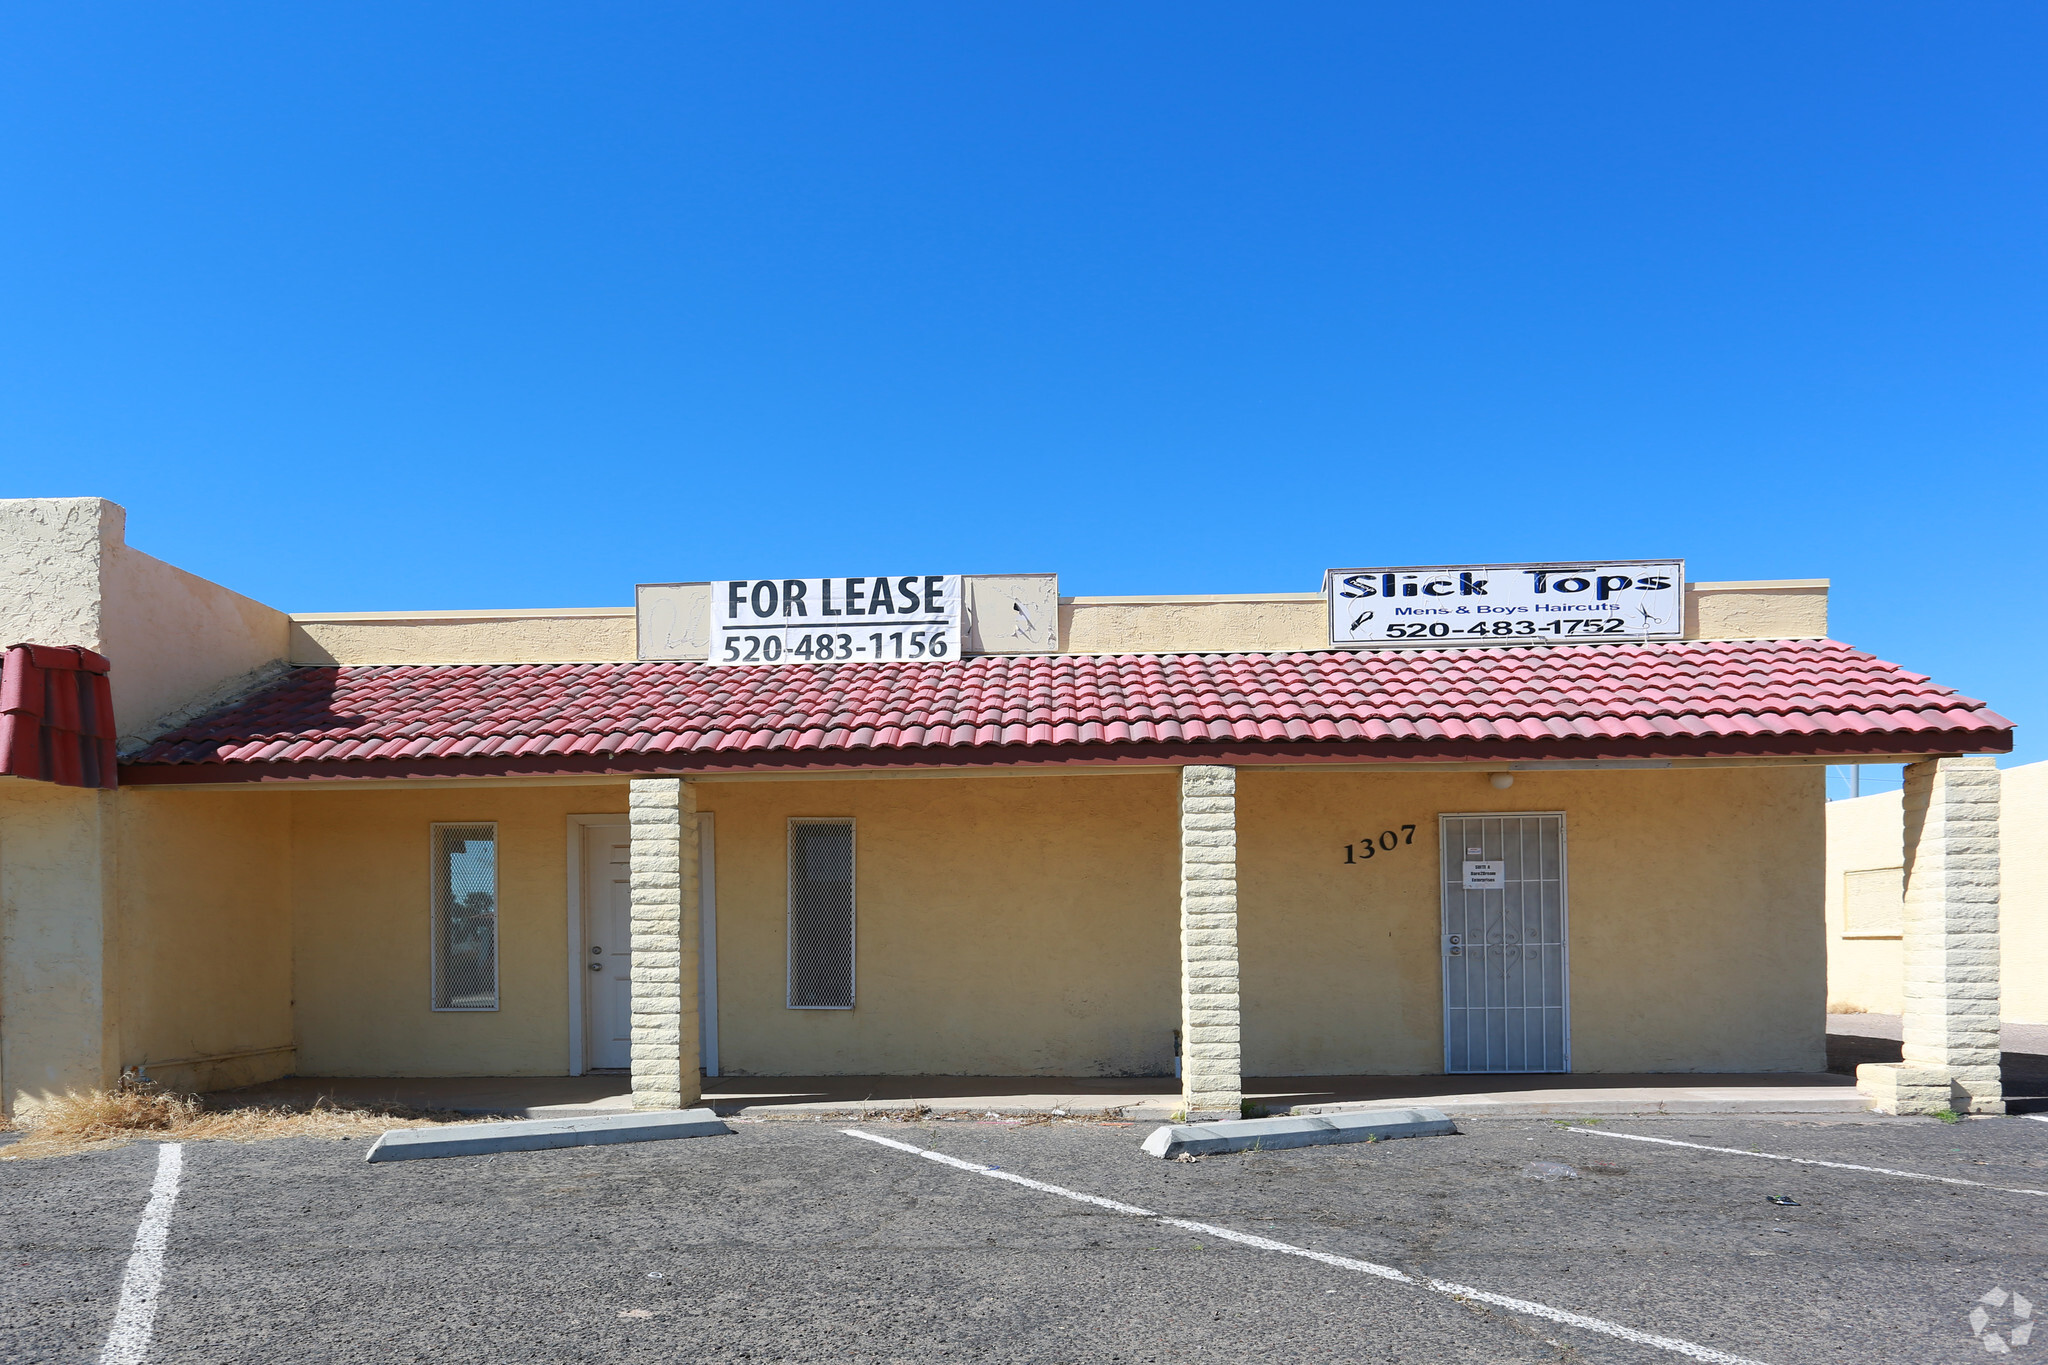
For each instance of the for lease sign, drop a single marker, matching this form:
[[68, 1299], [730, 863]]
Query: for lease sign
[[1436, 605], [835, 620]]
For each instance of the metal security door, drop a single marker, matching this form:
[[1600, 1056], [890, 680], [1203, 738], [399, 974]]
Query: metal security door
[[607, 948], [1505, 964]]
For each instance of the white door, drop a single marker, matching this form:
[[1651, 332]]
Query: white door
[[1505, 965], [606, 957], [607, 948]]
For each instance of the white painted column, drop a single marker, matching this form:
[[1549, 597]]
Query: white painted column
[[1951, 944], [665, 912], [1211, 1083]]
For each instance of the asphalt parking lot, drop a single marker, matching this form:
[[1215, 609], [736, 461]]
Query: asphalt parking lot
[[794, 1241]]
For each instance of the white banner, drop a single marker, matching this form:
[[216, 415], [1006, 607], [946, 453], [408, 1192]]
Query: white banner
[[835, 620], [1615, 601]]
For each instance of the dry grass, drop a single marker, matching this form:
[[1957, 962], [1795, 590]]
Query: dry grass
[[1844, 1007], [101, 1119]]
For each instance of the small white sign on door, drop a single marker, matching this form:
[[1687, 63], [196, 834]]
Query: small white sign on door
[[1485, 876]]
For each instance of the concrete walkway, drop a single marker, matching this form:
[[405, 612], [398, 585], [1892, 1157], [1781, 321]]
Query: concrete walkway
[[1143, 1099], [535, 1097], [1154, 1099]]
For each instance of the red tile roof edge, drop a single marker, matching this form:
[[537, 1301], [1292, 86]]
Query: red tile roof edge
[[1040, 757], [1705, 700], [56, 716]]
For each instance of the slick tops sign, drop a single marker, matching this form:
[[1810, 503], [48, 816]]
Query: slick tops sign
[[834, 620], [1507, 604]]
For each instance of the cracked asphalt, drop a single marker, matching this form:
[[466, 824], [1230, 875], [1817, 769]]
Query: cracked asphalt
[[790, 1241]]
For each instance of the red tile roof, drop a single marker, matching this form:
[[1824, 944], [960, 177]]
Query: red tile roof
[[56, 716], [1680, 700]]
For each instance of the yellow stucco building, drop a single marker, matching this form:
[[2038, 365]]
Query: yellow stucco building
[[1095, 837]]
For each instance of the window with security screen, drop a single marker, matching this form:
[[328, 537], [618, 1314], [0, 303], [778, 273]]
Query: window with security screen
[[821, 914], [465, 874]]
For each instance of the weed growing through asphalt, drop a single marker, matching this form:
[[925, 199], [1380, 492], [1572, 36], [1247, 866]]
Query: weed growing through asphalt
[[1948, 1116]]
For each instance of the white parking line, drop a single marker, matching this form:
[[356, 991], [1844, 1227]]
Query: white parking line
[[1808, 1161], [1691, 1350], [2038, 1118], [135, 1317]]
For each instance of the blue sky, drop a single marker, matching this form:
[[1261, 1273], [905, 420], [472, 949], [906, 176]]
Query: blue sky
[[404, 306]]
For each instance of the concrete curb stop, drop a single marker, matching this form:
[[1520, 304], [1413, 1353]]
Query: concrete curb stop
[[534, 1135], [1621, 1103], [1243, 1135]]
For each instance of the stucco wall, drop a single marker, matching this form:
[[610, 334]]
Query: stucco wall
[[205, 979], [56, 879], [1695, 925], [1021, 926], [1026, 925], [1785, 609], [174, 637], [50, 550], [1159, 625], [361, 952], [594, 635], [1864, 834], [67, 577], [1867, 832], [2023, 893], [1780, 609]]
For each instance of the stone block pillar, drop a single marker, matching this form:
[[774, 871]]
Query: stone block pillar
[[1951, 945], [664, 881], [1211, 1083]]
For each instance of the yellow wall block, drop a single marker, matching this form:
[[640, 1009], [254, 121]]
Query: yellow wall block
[[1025, 925], [1865, 835], [2023, 893], [362, 950], [1021, 926], [1695, 927], [205, 979], [57, 878]]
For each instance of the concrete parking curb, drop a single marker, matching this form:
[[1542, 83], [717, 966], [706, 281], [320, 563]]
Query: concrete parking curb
[[1243, 1135], [1555, 1104], [533, 1135]]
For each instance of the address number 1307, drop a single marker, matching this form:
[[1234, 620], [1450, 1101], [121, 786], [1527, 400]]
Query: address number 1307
[[1387, 842]]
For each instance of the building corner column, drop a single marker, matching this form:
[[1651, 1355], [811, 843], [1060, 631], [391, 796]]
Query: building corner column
[[666, 1072], [60, 943], [1951, 1044], [1212, 1085]]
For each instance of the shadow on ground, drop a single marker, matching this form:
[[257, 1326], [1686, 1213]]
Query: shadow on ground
[[2025, 1074]]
